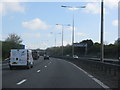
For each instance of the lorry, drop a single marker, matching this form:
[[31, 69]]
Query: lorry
[[21, 57]]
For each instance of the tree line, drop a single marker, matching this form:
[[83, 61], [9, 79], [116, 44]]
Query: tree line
[[93, 49], [13, 41]]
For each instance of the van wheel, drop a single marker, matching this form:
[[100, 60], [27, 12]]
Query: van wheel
[[32, 66], [11, 68], [28, 66]]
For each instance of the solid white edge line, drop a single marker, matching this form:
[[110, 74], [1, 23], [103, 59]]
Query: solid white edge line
[[96, 80], [99, 82], [21, 82]]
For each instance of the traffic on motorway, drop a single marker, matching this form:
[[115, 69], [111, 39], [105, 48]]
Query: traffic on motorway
[[52, 73], [24, 58], [57, 71], [60, 45]]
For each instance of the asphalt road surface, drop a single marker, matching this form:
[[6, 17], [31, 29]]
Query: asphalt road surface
[[53, 73]]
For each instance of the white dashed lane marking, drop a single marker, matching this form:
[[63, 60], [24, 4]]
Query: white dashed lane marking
[[49, 63], [38, 71], [21, 82]]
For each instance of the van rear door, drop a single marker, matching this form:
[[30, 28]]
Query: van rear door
[[18, 57], [23, 57], [14, 57]]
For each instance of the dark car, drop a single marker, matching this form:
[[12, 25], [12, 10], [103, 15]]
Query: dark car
[[46, 57], [35, 55]]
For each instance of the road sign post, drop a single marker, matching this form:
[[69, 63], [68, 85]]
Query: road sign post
[[81, 45]]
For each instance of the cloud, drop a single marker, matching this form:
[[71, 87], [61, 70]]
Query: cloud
[[31, 35], [3, 37], [35, 24], [93, 8], [48, 35], [64, 43], [70, 28], [14, 0], [58, 27], [108, 3], [81, 34], [51, 0], [1, 6], [111, 3], [115, 23], [32, 46], [6, 7], [38, 44]]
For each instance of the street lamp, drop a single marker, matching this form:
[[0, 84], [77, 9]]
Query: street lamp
[[55, 37], [102, 26], [62, 33], [73, 24]]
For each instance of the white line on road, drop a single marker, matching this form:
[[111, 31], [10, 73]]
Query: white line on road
[[96, 80], [49, 62], [45, 66], [38, 71], [99, 82], [21, 82]]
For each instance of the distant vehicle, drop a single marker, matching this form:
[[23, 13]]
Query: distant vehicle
[[35, 55], [75, 57], [21, 57], [46, 57], [67, 55]]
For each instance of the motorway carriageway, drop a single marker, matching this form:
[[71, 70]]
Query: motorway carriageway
[[53, 73]]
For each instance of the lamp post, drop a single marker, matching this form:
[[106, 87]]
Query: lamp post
[[73, 24], [62, 33], [102, 26], [55, 37]]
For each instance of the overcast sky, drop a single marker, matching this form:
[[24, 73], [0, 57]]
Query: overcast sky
[[36, 22]]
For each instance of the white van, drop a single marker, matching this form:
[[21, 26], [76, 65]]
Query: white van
[[21, 57]]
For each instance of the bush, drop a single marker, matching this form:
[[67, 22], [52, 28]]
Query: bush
[[7, 46]]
